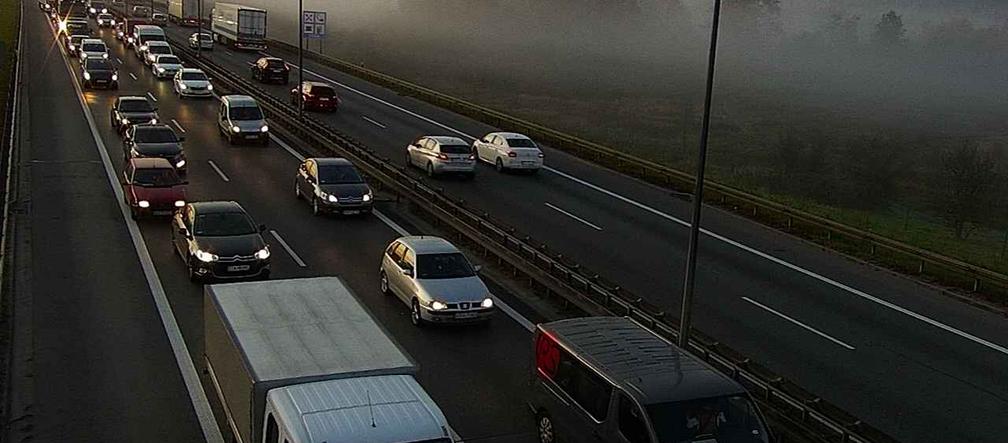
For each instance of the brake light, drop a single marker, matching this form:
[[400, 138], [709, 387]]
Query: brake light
[[512, 154]]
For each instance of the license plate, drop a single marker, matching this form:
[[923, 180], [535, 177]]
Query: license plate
[[163, 212], [251, 137], [238, 268], [529, 163], [352, 212], [324, 99], [100, 82], [466, 315]]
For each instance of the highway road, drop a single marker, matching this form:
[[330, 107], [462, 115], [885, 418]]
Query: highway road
[[102, 363], [892, 351]]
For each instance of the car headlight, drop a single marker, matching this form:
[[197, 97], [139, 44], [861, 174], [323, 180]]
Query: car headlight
[[105, 55], [87, 76], [179, 203], [101, 22], [143, 204], [205, 257], [182, 86], [160, 70], [236, 128], [153, 121], [112, 22], [143, 47], [130, 39], [71, 47], [93, 10], [63, 26], [438, 306], [124, 120], [263, 253], [180, 164], [115, 77], [209, 87], [487, 303], [367, 197], [104, 11], [332, 199], [264, 128]]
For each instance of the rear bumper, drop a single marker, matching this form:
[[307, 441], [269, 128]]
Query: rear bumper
[[519, 163], [466, 168]]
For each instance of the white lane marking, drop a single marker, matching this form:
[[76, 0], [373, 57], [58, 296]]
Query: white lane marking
[[287, 247], [134, 76], [597, 227], [151, 96], [119, 60], [373, 122], [197, 396], [507, 309], [219, 172], [798, 323], [177, 125], [250, 63]]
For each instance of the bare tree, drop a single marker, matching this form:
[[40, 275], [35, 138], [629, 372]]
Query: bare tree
[[889, 31], [968, 180]]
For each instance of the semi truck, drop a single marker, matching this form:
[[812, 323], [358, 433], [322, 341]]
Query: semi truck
[[301, 360], [242, 27], [130, 8], [186, 12]]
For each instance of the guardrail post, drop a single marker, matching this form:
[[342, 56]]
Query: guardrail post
[[920, 268], [976, 284]]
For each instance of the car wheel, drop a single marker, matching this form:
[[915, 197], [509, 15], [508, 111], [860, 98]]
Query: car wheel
[[499, 164], [383, 285], [415, 317], [134, 214], [544, 425], [430, 170], [315, 209], [297, 190], [409, 160], [191, 270]]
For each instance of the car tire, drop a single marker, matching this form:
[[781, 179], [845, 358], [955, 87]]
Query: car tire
[[415, 316], [499, 164], [430, 170], [297, 190], [316, 210], [383, 284], [191, 270], [544, 428]]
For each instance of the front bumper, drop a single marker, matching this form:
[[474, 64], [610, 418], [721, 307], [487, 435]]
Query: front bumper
[[457, 316], [190, 92], [166, 74], [236, 269], [102, 84], [348, 207], [261, 137]]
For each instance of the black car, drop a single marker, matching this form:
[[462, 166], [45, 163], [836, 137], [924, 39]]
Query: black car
[[99, 73], [268, 69], [132, 110], [332, 185], [219, 240], [145, 141]]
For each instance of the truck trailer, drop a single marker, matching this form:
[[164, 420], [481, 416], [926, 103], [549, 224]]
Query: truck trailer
[[187, 12], [301, 360], [242, 27]]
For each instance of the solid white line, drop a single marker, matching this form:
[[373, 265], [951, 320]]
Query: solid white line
[[391, 223], [219, 172], [119, 60], [177, 125], [287, 247], [197, 396], [798, 323], [287, 147], [151, 96], [373, 122], [134, 76], [597, 227]]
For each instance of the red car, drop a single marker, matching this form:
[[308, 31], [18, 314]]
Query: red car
[[318, 96], [152, 187]]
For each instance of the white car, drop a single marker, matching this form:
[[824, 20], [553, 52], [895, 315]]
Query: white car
[[508, 150], [106, 20], [92, 47], [154, 49], [203, 40], [441, 154], [166, 66], [192, 82]]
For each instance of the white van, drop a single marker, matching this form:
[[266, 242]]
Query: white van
[[143, 35]]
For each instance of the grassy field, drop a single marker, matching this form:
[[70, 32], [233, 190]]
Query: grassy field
[[9, 13]]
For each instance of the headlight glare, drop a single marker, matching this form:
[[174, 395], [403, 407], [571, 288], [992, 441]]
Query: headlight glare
[[143, 204], [333, 199], [153, 121], [179, 203], [115, 77], [264, 128], [205, 256], [160, 69], [263, 253], [438, 306], [487, 303], [87, 76], [180, 164], [236, 128], [367, 197], [182, 86], [209, 87], [105, 55]]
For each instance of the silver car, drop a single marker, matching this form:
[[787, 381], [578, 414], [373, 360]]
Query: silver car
[[442, 154], [436, 280], [201, 40], [166, 66], [192, 82]]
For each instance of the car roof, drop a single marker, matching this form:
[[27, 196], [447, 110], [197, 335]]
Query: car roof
[[217, 207], [145, 126], [427, 244], [150, 163], [447, 140], [314, 83], [510, 135], [79, 36], [160, 56], [238, 100], [93, 40], [271, 59], [329, 161], [124, 98], [643, 364], [157, 43], [192, 70]]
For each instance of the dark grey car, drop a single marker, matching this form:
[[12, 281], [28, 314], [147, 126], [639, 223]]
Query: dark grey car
[[219, 240], [332, 185], [132, 110], [99, 73], [143, 141]]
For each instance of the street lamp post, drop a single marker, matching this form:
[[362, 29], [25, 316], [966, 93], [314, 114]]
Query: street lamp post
[[199, 28], [686, 318], [300, 87]]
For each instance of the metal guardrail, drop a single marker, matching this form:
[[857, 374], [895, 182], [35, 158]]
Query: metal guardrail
[[800, 416], [886, 251]]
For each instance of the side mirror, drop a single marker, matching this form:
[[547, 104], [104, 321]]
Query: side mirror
[[262, 228], [477, 268], [407, 272]]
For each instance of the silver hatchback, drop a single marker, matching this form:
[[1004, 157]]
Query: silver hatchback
[[435, 280], [442, 154]]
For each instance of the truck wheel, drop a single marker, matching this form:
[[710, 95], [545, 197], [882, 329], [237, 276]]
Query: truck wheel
[[544, 425]]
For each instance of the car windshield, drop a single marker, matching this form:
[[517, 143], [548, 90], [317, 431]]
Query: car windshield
[[193, 76], [455, 149], [245, 113], [448, 265], [728, 419], [168, 60], [98, 64], [341, 174], [159, 50], [141, 105], [205, 37], [222, 224], [155, 135], [156, 177], [93, 47], [104, 16], [521, 143], [275, 63], [323, 91], [76, 39]]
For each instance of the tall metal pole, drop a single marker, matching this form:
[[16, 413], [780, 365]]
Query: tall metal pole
[[300, 87], [694, 234], [199, 27]]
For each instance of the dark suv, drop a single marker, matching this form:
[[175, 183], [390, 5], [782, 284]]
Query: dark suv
[[219, 240], [268, 69], [143, 141]]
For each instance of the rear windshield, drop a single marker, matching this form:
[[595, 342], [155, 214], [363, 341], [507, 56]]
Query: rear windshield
[[728, 419], [159, 134], [223, 223], [245, 113], [135, 106], [455, 149], [450, 265], [94, 47], [155, 177], [342, 174], [98, 64], [205, 37], [169, 60], [520, 143], [275, 63], [77, 39], [193, 76], [323, 91]]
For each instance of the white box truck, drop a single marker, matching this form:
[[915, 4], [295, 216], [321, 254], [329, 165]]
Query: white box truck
[[302, 361], [186, 12], [242, 27]]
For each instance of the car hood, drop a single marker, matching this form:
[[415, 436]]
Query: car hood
[[249, 125], [100, 73], [230, 246], [195, 83], [454, 290], [138, 115], [96, 54], [347, 190], [168, 66], [160, 194], [158, 149]]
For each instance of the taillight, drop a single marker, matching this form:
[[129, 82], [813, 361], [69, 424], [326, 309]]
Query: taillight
[[512, 154]]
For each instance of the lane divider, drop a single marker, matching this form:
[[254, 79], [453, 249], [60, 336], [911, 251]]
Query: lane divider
[[297, 259], [152, 97], [373, 122], [798, 323], [177, 125], [133, 76], [219, 172], [590, 224]]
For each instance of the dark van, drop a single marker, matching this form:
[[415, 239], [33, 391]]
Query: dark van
[[609, 379]]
